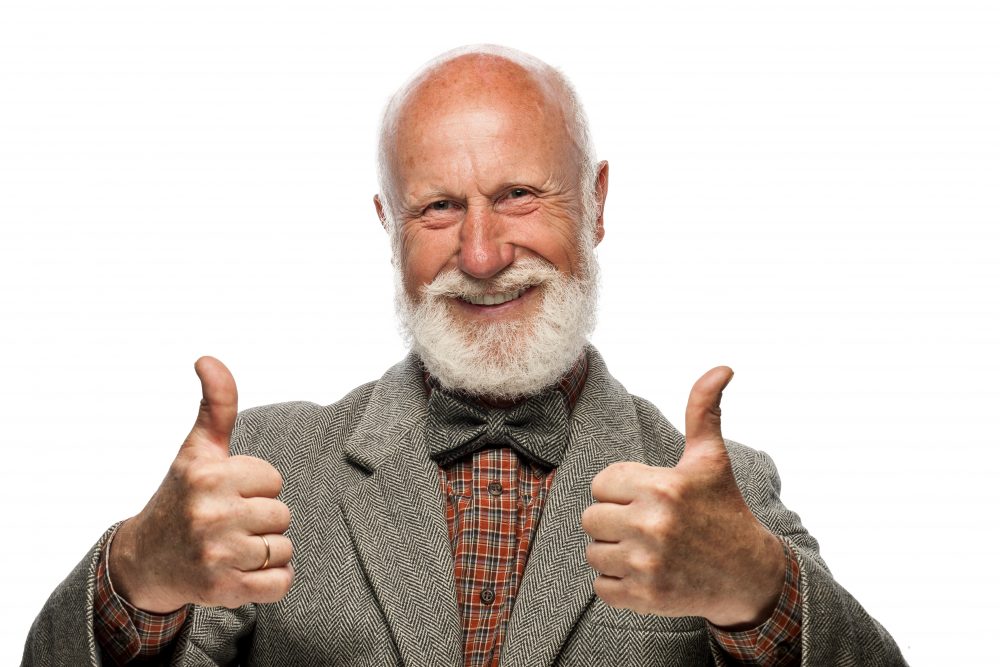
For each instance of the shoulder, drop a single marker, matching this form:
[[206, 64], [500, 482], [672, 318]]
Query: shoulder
[[261, 428], [636, 428], [295, 428]]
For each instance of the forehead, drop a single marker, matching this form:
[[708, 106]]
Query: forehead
[[478, 105], [478, 78]]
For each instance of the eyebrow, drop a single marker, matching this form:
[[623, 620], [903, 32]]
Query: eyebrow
[[427, 194]]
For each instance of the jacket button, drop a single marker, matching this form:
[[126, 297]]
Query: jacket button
[[487, 596], [495, 488]]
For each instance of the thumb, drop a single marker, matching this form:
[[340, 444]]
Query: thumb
[[217, 412], [703, 418]]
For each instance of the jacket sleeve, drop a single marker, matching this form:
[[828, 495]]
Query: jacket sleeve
[[836, 630], [63, 632]]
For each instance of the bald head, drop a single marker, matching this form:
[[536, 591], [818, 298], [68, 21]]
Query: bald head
[[484, 81]]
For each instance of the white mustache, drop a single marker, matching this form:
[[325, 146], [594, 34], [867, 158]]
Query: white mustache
[[525, 273]]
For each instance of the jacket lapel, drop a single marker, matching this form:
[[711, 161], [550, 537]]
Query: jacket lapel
[[396, 518], [558, 582]]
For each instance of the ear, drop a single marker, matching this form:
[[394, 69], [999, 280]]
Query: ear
[[601, 188], [381, 212]]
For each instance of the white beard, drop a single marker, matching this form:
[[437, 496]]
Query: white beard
[[502, 360]]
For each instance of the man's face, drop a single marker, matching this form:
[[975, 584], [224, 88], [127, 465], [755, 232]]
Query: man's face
[[480, 187], [488, 202]]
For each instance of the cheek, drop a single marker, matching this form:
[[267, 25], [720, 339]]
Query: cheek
[[555, 240], [413, 275], [423, 256]]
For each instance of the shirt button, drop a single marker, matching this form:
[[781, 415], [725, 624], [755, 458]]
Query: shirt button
[[495, 488], [487, 596]]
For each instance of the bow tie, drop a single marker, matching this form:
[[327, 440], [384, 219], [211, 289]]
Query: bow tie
[[537, 428]]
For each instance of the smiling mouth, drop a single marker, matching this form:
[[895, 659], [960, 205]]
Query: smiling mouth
[[493, 299]]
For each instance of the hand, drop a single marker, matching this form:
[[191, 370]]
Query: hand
[[198, 539], [681, 541]]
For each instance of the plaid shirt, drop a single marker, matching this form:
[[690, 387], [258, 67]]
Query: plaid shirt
[[494, 502], [124, 632]]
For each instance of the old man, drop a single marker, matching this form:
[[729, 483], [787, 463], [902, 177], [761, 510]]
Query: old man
[[496, 498]]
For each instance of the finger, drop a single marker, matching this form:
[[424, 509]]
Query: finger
[[606, 522], [607, 558], [617, 482], [255, 477], [613, 591], [217, 411], [265, 586], [261, 516], [253, 552], [703, 418]]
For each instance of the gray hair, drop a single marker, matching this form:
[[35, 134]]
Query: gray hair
[[576, 125]]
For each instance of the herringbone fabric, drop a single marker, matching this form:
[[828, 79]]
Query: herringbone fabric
[[374, 580], [536, 428]]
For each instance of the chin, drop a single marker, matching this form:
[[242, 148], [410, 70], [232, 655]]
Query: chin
[[500, 357], [505, 360]]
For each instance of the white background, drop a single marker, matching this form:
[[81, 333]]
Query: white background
[[805, 191]]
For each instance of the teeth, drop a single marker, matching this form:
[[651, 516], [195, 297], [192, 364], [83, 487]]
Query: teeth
[[493, 299]]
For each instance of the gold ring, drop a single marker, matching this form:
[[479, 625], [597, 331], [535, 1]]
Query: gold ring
[[267, 553]]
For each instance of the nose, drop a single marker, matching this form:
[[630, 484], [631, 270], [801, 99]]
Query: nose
[[483, 250]]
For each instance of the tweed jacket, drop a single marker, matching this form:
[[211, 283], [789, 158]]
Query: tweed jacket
[[374, 580]]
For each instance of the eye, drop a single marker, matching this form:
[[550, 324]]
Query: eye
[[442, 205], [518, 192]]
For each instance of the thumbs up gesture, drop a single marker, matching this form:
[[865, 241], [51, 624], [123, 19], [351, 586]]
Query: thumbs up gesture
[[681, 541], [212, 533]]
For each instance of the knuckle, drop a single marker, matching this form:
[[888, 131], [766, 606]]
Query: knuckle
[[211, 555], [178, 467], [203, 476], [656, 524], [665, 489], [642, 562], [202, 513]]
